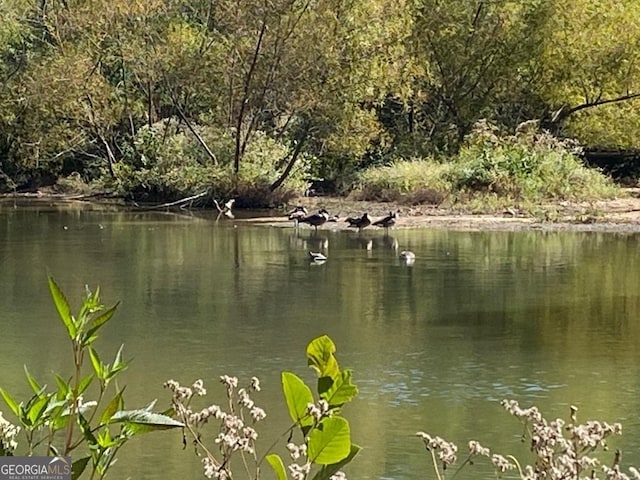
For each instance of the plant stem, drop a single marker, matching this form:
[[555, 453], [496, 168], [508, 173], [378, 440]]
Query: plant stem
[[435, 464]]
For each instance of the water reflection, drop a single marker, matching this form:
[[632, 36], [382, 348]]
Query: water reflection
[[546, 318]]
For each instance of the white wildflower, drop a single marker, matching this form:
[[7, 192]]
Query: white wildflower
[[255, 384], [230, 382], [476, 449], [257, 414], [501, 463], [198, 388], [8, 433], [299, 472], [297, 451]]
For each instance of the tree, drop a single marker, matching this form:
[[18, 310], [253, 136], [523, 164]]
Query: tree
[[589, 71]]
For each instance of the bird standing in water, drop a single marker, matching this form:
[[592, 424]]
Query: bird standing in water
[[386, 222], [298, 213], [359, 222], [316, 219]]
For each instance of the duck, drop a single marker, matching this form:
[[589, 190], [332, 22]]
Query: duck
[[386, 222], [359, 222], [317, 256], [316, 219], [408, 256], [297, 213]]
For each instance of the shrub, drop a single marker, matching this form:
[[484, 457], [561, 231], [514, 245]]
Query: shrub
[[419, 181], [490, 169], [530, 166], [166, 162]]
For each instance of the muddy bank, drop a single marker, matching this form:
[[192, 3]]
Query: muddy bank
[[619, 215]]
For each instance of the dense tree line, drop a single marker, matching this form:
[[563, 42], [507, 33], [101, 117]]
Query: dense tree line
[[114, 88]]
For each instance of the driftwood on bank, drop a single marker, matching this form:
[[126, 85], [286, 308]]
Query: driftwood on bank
[[182, 203]]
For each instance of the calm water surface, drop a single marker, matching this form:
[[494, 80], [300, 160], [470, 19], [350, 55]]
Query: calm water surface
[[550, 319]]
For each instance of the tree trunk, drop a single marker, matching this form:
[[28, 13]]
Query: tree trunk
[[294, 156]]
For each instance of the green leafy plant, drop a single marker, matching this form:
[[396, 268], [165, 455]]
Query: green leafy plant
[[322, 445], [101, 426]]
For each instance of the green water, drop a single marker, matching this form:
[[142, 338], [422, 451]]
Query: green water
[[550, 319]]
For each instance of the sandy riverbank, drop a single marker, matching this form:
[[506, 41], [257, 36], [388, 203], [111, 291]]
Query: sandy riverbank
[[618, 215]]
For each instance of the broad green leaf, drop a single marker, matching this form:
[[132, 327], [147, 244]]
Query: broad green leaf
[[297, 395], [278, 466], [11, 403], [320, 357], [330, 442], [327, 471], [62, 306], [37, 389], [98, 322], [142, 421], [114, 405], [78, 467], [341, 391]]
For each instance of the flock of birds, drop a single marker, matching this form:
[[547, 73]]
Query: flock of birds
[[300, 215]]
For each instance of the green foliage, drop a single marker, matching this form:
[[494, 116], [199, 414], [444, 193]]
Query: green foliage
[[529, 167], [49, 418], [418, 181], [166, 161], [324, 435], [493, 170], [298, 396], [297, 90]]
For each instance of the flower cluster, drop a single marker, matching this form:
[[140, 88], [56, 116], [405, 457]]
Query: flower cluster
[[562, 450], [446, 451], [234, 434], [319, 410], [476, 449], [8, 433], [300, 472]]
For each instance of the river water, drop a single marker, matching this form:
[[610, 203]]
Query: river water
[[548, 319]]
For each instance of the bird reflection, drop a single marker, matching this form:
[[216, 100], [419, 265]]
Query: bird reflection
[[313, 242]]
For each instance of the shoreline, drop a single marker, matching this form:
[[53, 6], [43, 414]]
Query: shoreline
[[621, 215]]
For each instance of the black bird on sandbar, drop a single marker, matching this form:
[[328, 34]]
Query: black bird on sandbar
[[359, 222], [316, 219], [297, 213], [386, 222]]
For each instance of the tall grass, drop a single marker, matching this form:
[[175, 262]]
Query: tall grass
[[525, 169], [418, 181]]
